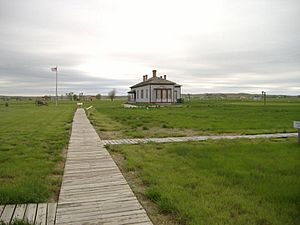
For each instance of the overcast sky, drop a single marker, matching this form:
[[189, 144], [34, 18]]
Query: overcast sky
[[207, 46]]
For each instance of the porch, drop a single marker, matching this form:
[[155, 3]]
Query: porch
[[163, 95]]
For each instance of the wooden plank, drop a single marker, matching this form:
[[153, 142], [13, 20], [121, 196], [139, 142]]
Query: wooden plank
[[1, 209], [103, 217], [133, 220], [51, 212], [97, 194], [93, 200], [104, 208], [41, 214], [96, 190], [30, 213], [19, 212], [117, 220], [127, 141], [96, 198], [196, 138], [93, 188], [7, 213]]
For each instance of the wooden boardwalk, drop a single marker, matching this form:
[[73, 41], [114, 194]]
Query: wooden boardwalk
[[93, 189], [42, 213], [194, 138]]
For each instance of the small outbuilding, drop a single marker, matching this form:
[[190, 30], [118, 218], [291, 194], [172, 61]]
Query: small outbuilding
[[155, 90]]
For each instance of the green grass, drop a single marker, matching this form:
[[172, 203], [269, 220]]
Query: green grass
[[195, 118], [222, 181], [31, 151]]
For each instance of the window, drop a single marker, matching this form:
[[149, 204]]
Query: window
[[142, 93], [164, 94], [169, 94], [137, 94], [158, 94], [146, 93]]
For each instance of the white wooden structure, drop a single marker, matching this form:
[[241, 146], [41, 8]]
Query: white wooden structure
[[155, 90]]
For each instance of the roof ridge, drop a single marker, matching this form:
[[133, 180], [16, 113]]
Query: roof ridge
[[154, 80]]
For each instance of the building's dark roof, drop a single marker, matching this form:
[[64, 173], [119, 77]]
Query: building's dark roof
[[154, 80]]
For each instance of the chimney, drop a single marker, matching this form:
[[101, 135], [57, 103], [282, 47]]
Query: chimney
[[146, 77], [154, 73], [160, 77], [165, 77], [143, 78]]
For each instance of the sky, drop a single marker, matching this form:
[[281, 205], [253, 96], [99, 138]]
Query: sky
[[211, 46]]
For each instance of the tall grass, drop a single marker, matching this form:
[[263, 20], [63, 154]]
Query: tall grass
[[220, 182], [195, 118], [32, 140]]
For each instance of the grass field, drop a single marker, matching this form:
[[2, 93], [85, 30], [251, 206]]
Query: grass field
[[32, 140], [219, 182], [198, 117]]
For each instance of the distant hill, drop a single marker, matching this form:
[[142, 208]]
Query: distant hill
[[234, 96]]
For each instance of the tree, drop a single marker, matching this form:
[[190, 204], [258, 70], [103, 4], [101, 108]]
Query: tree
[[81, 96], [70, 95], [75, 97], [98, 96], [112, 94]]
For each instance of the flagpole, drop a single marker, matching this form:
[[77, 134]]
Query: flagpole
[[56, 87]]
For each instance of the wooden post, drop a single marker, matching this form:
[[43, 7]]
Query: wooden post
[[297, 126], [56, 98], [264, 95]]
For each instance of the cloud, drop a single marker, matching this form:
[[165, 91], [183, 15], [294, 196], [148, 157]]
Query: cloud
[[207, 46]]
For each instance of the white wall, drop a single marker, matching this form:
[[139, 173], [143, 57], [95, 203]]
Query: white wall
[[138, 96], [151, 89], [178, 89]]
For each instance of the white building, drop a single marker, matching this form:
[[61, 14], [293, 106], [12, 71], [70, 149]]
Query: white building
[[155, 90]]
